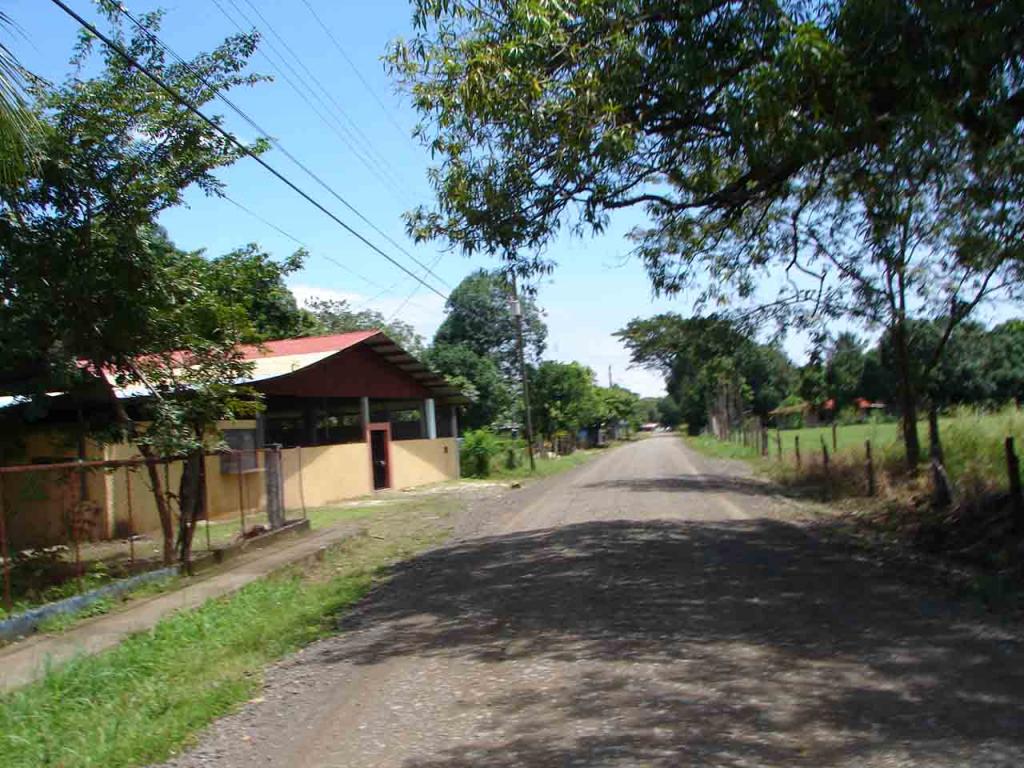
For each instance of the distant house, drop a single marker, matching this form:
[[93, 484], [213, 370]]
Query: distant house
[[352, 412], [804, 414]]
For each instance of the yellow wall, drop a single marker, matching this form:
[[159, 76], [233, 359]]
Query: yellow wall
[[223, 490], [329, 473], [417, 462], [38, 505]]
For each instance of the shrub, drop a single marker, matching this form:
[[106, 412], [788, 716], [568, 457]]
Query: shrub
[[479, 447]]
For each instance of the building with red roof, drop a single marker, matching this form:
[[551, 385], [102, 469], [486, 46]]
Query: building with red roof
[[351, 413]]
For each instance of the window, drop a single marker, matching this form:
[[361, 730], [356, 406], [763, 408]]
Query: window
[[239, 463]]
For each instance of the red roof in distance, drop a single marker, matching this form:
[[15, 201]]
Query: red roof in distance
[[334, 342]]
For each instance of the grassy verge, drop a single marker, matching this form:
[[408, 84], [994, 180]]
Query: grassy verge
[[141, 701], [545, 466], [221, 533], [976, 530]]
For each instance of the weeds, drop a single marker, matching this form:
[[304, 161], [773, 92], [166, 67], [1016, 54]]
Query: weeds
[[137, 703]]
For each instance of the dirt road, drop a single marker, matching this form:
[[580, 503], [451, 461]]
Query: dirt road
[[652, 608]]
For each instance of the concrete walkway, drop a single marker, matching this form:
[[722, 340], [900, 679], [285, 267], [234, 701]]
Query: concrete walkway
[[26, 661]]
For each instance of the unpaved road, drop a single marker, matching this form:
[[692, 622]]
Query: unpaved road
[[652, 608]]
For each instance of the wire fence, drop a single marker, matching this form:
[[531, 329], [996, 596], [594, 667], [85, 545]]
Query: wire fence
[[69, 526]]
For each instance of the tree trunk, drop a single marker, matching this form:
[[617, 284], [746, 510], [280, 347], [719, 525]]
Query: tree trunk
[[190, 501], [934, 442], [908, 399], [163, 506]]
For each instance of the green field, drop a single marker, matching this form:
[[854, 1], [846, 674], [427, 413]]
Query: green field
[[972, 439]]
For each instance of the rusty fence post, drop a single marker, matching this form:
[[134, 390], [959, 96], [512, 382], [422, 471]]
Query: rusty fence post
[[5, 549], [302, 487], [131, 516], [1013, 471], [828, 468], [870, 463], [796, 449], [241, 490]]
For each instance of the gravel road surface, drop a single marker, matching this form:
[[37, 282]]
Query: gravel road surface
[[651, 608]]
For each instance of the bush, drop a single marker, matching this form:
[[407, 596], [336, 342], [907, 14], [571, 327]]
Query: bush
[[479, 447]]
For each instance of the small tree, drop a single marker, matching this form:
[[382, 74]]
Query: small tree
[[87, 282]]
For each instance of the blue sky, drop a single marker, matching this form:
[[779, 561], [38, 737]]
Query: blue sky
[[594, 290]]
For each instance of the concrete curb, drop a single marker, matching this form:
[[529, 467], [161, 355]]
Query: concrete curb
[[23, 624]]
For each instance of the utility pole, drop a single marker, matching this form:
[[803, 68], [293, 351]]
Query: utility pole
[[610, 377], [517, 312]]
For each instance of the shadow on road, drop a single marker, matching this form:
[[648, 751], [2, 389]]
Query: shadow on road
[[732, 643], [692, 483]]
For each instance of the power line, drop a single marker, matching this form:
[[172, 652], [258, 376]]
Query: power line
[[383, 290], [355, 69], [341, 131], [339, 109], [276, 143], [159, 82]]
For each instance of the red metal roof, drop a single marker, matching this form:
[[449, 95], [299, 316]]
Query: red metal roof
[[334, 342]]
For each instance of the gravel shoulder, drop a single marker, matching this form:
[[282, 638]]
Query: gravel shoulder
[[651, 608]]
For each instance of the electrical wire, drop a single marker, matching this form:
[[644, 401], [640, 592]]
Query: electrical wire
[[382, 290], [355, 69], [182, 101], [266, 135], [341, 131], [339, 109]]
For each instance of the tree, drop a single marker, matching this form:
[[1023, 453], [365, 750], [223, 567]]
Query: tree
[[618, 405], [1004, 369], [479, 316], [250, 278], [867, 151], [87, 282], [492, 396], [563, 397], [18, 124], [669, 412], [336, 316], [844, 369], [698, 355]]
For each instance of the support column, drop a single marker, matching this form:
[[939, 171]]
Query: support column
[[430, 416], [454, 409], [364, 415]]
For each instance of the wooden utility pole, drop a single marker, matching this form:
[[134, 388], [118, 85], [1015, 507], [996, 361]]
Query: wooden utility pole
[[517, 311]]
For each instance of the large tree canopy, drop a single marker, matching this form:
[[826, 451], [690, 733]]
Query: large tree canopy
[[89, 283], [698, 354], [866, 151], [479, 316], [547, 113]]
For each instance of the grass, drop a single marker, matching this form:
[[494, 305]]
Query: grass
[[319, 517], [972, 441], [138, 703], [545, 466]]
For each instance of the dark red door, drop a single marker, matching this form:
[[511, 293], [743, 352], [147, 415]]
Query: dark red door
[[379, 457]]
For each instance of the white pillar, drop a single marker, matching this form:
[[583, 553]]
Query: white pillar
[[431, 418], [454, 410], [364, 412]]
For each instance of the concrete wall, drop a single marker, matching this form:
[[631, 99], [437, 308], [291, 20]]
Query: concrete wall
[[223, 490], [39, 505], [418, 462], [329, 473]]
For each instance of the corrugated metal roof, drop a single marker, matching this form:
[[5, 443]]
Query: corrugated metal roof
[[272, 359], [335, 342]]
